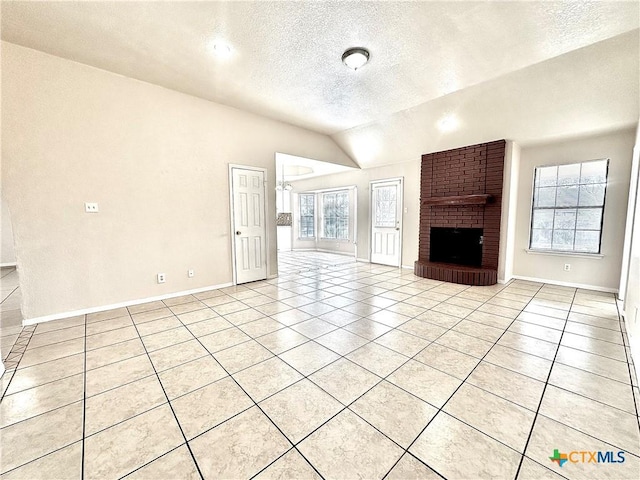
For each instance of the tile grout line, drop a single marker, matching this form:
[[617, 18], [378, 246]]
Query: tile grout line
[[152, 460], [440, 409], [15, 369], [566, 346], [11, 270], [254, 404], [589, 398], [168, 401], [10, 293], [340, 356], [85, 352], [629, 367], [84, 398], [544, 390], [593, 400], [382, 379], [40, 456], [343, 406], [373, 340]]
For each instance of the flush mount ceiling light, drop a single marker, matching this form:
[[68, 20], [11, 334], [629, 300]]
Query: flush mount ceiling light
[[355, 57]]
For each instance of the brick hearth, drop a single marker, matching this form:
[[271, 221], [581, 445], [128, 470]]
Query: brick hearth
[[454, 186]]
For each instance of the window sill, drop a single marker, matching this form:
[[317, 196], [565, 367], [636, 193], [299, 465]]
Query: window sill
[[340, 240], [306, 239], [597, 256]]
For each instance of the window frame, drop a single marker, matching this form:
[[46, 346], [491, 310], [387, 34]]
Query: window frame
[[313, 216], [577, 208], [334, 193]]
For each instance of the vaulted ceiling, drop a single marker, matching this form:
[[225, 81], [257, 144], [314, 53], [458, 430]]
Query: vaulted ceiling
[[526, 71]]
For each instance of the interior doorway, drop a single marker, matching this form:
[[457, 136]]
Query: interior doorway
[[316, 213]]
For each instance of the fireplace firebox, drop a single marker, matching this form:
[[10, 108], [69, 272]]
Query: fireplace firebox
[[461, 246]]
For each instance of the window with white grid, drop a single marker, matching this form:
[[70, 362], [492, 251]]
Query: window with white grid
[[568, 207], [307, 215], [335, 215]]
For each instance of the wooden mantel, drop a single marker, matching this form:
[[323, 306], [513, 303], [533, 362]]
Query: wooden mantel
[[480, 199]]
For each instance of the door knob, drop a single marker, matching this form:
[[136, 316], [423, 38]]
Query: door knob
[[238, 232]]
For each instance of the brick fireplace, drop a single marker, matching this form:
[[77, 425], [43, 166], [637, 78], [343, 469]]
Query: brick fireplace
[[460, 207]]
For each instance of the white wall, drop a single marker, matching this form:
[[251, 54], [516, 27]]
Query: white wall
[[632, 296], [283, 201], [508, 211], [155, 160], [361, 178], [7, 251], [634, 185], [598, 273]]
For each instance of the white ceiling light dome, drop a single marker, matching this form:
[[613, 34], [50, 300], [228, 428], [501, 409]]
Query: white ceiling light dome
[[355, 58]]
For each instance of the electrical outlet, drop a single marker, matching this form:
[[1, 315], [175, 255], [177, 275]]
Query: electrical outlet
[[91, 207], [567, 267], [162, 278], [190, 273]]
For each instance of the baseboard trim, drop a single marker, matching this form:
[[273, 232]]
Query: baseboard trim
[[103, 308], [566, 284], [9, 264], [336, 252], [323, 250]]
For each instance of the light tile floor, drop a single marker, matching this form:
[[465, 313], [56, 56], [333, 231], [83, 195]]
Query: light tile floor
[[10, 316], [343, 371], [296, 261]]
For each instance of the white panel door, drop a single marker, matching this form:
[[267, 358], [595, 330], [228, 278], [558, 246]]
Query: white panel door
[[249, 229], [386, 221]]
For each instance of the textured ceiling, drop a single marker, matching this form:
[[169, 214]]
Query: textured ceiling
[[588, 91], [286, 59]]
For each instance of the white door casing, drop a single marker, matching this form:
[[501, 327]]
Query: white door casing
[[249, 226], [386, 221]]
